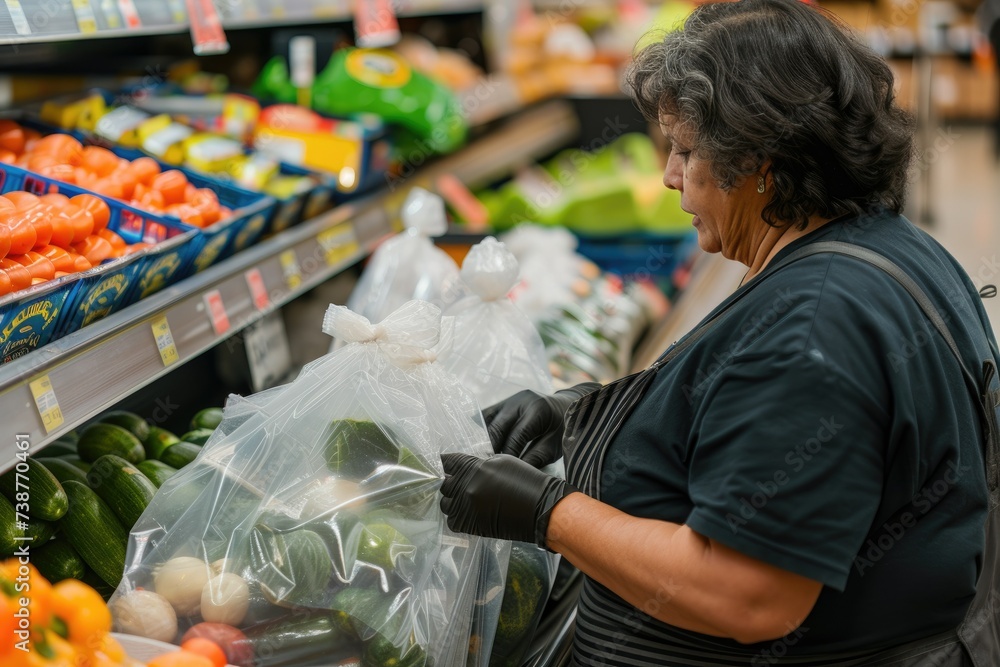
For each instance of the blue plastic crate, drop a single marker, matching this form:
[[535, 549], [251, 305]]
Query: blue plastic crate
[[251, 210], [38, 315], [634, 256]]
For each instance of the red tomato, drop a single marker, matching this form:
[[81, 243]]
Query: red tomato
[[4, 240], [206, 649], [22, 232], [11, 136], [94, 248], [81, 221], [59, 258], [145, 170], [171, 185], [38, 265], [99, 161], [98, 208], [41, 220], [19, 276]]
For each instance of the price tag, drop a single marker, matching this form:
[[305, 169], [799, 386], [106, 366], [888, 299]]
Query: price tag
[[206, 28], [86, 21], [268, 352], [258, 292], [290, 268], [217, 312], [165, 341], [338, 243], [177, 11], [129, 13], [111, 14], [21, 24], [45, 401]]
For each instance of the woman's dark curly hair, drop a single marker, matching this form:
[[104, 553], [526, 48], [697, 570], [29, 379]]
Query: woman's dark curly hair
[[781, 81]]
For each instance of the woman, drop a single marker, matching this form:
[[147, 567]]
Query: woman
[[801, 479]]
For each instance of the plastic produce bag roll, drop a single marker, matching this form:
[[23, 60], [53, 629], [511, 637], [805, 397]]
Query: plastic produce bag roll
[[309, 526]]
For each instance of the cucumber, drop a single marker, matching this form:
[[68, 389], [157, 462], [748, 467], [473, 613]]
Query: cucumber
[[63, 470], [180, 454], [100, 439], [60, 448], [129, 421], [158, 441], [76, 461], [304, 637], [94, 531], [198, 436], [209, 418], [46, 496], [120, 484], [103, 589], [157, 472], [12, 538], [57, 561]]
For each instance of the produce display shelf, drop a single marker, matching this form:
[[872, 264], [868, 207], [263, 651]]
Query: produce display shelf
[[38, 21], [58, 387]]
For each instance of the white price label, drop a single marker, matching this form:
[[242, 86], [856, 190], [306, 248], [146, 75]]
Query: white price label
[[164, 341], [46, 402], [268, 352], [21, 24], [85, 19]]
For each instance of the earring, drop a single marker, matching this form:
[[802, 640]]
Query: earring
[[760, 185]]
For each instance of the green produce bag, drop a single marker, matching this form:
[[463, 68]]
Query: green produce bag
[[382, 83], [316, 506]]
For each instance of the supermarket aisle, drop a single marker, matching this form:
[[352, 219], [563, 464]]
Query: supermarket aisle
[[966, 204]]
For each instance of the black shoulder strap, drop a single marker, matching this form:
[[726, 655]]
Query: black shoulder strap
[[880, 261]]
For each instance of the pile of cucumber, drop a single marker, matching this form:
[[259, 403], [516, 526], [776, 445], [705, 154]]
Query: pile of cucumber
[[85, 492]]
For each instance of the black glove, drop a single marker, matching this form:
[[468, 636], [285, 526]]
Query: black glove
[[501, 497], [530, 425]]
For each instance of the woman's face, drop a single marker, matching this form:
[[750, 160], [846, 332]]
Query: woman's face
[[727, 221]]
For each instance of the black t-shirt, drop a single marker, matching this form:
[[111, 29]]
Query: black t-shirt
[[824, 427]]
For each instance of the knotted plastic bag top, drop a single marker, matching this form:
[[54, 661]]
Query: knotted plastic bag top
[[490, 270], [423, 213]]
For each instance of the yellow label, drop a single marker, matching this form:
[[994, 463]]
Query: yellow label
[[290, 269], [45, 401], [338, 243], [378, 68], [165, 341]]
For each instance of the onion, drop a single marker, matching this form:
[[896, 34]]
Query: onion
[[225, 599], [146, 614], [181, 581]]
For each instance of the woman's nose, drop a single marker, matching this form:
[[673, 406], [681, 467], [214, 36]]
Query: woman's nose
[[673, 175]]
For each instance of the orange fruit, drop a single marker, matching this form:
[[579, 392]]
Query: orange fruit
[[6, 287], [127, 180], [171, 185], [99, 161], [188, 214], [6, 204], [4, 240], [151, 200], [7, 157], [19, 276], [98, 208], [60, 172], [136, 247], [62, 230], [11, 136], [54, 201], [94, 248], [207, 203]]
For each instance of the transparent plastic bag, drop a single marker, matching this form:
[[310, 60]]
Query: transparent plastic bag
[[409, 265], [496, 351], [310, 520]]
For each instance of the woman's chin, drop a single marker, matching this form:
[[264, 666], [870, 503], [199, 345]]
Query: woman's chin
[[708, 242]]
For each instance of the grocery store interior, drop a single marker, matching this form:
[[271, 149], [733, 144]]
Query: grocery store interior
[[188, 185]]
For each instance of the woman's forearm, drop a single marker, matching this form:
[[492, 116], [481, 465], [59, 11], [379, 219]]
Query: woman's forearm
[[677, 576]]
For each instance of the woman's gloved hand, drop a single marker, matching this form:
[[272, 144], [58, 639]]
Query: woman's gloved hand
[[501, 497], [530, 425]]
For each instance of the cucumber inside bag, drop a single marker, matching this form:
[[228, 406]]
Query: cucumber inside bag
[[320, 499]]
